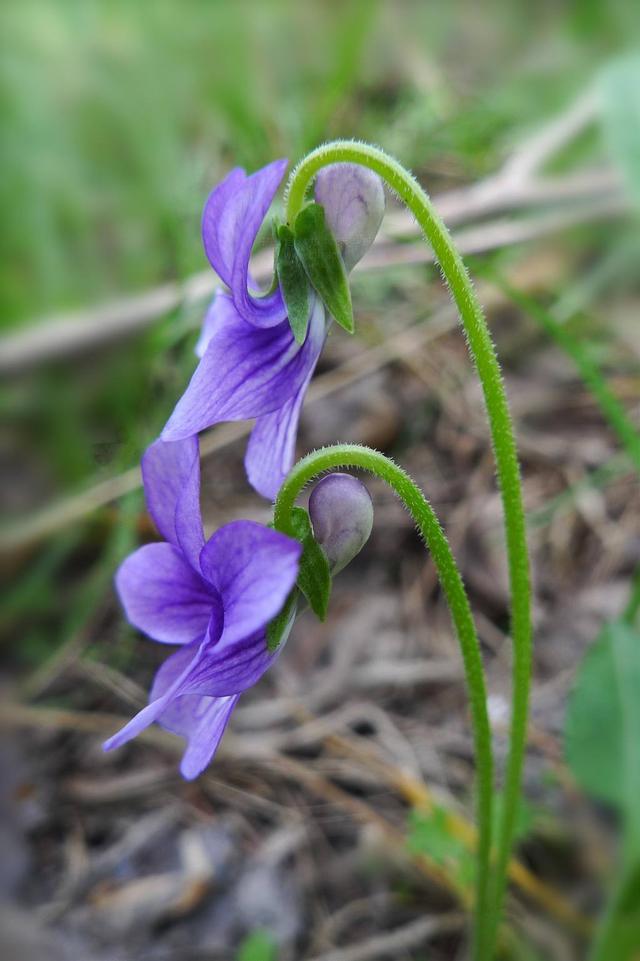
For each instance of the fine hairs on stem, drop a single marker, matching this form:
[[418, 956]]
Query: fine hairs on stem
[[352, 455], [490, 894]]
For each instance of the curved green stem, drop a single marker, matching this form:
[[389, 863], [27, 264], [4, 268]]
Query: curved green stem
[[508, 472], [353, 455]]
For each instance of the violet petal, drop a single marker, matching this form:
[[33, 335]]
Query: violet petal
[[229, 668], [213, 318], [232, 217], [245, 372], [200, 719], [197, 670], [211, 716], [271, 448], [171, 475], [253, 568], [176, 669], [165, 598], [214, 670]]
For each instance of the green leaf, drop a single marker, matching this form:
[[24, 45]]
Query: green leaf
[[602, 726], [525, 817], [293, 282], [257, 946], [620, 89], [617, 935], [314, 579], [430, 833], [318, 250], [278, 629]]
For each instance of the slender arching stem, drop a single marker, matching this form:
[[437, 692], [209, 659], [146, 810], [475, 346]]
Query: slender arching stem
[[508, 472], [353, 455]]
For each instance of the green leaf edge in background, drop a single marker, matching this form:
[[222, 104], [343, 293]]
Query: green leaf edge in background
[[597, 734]]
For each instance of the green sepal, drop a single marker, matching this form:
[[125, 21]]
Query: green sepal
[[293, 282], [278, 628], [318, 251], [314, 577]]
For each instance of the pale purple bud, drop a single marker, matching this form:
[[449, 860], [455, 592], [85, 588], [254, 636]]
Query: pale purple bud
[[341, 512], [353, 201]]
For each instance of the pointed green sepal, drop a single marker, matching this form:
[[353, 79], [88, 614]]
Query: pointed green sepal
[[293, 282], [314, 578], [278, 629], [319, 253]]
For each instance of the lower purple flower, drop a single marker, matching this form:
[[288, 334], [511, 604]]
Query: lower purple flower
[[213, 598]]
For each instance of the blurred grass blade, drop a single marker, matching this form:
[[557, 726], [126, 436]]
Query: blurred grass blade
[[620, 91], [618, 936], [611, 408]]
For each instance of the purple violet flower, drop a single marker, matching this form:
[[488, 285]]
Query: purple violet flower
[[251, 365], [213, 598]]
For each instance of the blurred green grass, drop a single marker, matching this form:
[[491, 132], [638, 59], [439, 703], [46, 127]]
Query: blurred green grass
[[118, 117]]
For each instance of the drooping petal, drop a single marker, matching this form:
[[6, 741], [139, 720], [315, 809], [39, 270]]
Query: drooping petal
[[221, 669], [245, 372], [200, 719], [168, 682], [213, 669], [165, 598], [271, 448], [171, 475], [254, 569], [229, 668], [197, 671], [232, 217], [212, 715], [197, 688]]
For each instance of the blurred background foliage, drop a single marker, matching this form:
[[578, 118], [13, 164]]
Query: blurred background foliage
[[118, 117]]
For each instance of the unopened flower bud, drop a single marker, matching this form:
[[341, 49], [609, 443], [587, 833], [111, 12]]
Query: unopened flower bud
[[353, 201], [341, 512]]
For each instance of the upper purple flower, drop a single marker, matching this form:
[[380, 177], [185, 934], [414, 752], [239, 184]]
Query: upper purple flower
[[251, 365], [213, 598]]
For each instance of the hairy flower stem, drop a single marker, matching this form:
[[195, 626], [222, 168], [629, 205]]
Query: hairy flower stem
[[342, 456], [508, 472]]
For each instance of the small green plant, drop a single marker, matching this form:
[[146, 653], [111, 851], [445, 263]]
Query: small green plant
[[602, 734], [257, 946]]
